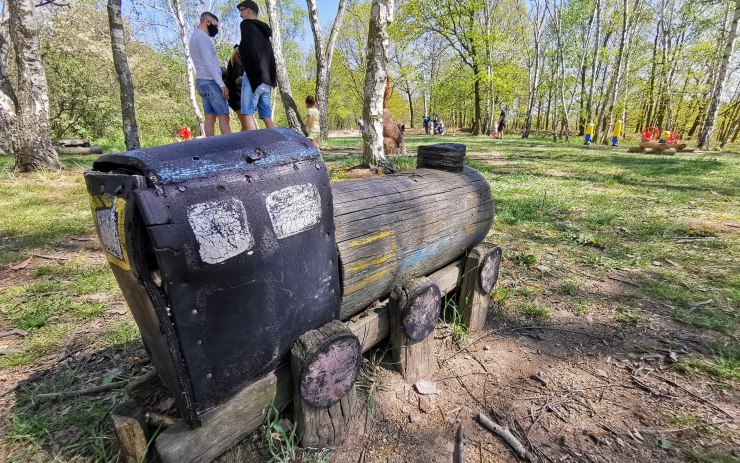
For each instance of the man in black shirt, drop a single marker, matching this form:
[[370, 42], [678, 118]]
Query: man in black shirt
[[255, 50], [501, 123]]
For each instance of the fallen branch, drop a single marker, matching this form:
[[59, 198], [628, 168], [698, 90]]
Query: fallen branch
[[82, 392], [693, 394], [505, 434], [460, 444], [42, 256], [14, 332]]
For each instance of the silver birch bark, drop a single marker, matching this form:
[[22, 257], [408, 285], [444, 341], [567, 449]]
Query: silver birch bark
[[32, 138], [176, 11], [8, 101], [376, 77], [611, 95], [707, 129], [118, 45], [594, 59], [533, 59], [283, 81], [324, 57]]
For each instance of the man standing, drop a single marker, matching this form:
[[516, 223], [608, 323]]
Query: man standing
[[258, 60], [208, 80], [501, 123]]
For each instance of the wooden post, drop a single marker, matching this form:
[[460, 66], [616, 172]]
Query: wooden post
[[479, 279], [414, 311], [325, 364], [129, 424]]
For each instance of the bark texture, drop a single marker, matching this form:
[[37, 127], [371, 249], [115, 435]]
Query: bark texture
[[32, 137], [376, 77], [283, 81], [8, 101], [324, 58], [708, 128], [120, 60]]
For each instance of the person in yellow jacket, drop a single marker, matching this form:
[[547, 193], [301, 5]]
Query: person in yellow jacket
[[616, 133], [589, 133]]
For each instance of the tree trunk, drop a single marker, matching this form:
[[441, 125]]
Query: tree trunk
[[324, 58], [118, 45], [8, 101], [32, 140], [283, 81], [376, 78], [594, 72], [411, 106], [707, 129], [476, 130], [611, 96], [182, 32]]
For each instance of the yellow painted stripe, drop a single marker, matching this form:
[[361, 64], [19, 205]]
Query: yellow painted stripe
[[370, 239], [361, 284]]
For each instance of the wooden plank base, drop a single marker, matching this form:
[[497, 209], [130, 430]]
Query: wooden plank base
[[130, 428]]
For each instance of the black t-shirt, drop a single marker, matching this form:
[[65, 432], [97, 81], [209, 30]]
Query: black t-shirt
[[502, 120]]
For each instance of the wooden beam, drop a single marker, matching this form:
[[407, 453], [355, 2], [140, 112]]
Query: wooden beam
[[130, 428]]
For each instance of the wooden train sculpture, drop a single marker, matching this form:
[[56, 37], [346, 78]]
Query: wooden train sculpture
[[245, 271]]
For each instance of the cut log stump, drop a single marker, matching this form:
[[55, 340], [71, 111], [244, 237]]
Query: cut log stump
[[325, 364], [479, 279], [442, 156], [130, 427], [414, 312]]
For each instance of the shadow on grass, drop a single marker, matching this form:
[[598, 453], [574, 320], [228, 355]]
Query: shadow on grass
[[69, 429]]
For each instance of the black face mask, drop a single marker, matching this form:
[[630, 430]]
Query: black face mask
[[212, 30]]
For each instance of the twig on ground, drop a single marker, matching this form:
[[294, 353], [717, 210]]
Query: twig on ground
[[693, 394], [459, 456], [82, 392], [539, 379], [505, 434], [14, 332], [64, 351], [42, 256]]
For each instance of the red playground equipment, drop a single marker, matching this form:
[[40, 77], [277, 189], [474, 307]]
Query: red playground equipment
[[654, 142]]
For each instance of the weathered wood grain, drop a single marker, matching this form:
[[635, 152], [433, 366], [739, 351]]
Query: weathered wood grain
[[325, 363], [414, 310], [227, 424], [444, 156], [403, 226], [130, 427], [481, 271]]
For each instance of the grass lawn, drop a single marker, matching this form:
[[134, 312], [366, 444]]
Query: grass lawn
[[657, 235]]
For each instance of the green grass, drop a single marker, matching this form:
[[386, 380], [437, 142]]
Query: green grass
[[723, 364]]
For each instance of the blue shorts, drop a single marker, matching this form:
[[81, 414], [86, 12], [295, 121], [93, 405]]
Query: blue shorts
[[259, 99], [212, 97]]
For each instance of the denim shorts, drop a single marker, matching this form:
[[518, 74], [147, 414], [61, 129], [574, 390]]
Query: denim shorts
[[259, 99], [212, 97]]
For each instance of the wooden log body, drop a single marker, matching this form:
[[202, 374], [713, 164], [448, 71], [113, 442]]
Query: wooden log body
[[635, 149], [80, 142], [325, 363], [406, 225], [414, 310], [443, 156], [78, 149], [479, 279]]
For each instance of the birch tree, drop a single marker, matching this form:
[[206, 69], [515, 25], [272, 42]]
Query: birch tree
[[376, 77], [120, 60], [324, 54], [708, 128], [8, 101], [534, 55], [283, 81], [31, 135]]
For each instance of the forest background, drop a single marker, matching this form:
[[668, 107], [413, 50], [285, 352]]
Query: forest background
[[553, 65]]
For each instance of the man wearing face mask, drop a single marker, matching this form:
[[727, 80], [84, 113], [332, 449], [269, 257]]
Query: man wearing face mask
[[258, 61], [208, 79]]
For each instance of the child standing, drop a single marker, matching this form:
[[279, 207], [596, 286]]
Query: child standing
[[313, 130]]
